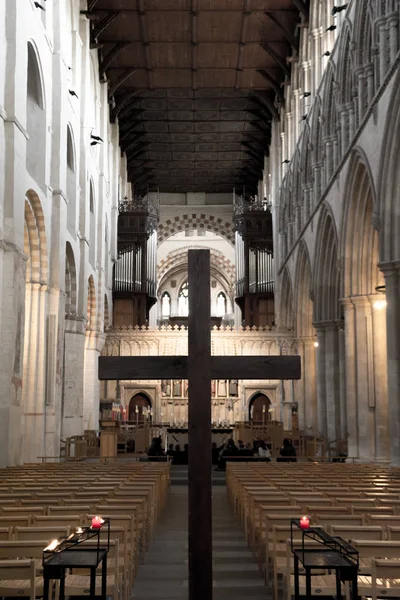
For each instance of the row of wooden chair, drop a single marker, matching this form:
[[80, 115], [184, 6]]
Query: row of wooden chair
[[359, 504], [41, 502]]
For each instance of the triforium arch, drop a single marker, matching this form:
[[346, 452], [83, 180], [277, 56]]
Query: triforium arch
[[34, 363], [305, 388], [331, 422], [365, 319], [286, 312], [190, 221], [303, 294], [326, 269]]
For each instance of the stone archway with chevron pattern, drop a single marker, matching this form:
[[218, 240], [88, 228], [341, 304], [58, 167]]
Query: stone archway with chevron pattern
[[192, 221]]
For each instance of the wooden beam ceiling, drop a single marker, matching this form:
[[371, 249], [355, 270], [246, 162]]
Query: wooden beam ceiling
[[195, 84]]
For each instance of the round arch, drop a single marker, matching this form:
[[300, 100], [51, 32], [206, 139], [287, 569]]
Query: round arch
[[139, 404], [35, 245], [70, 281], [259, 405], [196, 221]]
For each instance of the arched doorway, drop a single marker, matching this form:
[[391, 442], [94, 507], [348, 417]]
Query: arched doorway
[[257, 410], [143, 404]]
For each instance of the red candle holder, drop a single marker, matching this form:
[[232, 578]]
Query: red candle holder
[[97, 522], [305, 522]]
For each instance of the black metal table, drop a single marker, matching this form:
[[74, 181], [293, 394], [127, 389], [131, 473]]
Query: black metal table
[[73, 553], [331, 554], [58, 564]]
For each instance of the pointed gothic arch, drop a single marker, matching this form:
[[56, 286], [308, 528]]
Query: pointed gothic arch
[[345, 66], [326, 269], [303, 293], [360, 241], [286, 313]]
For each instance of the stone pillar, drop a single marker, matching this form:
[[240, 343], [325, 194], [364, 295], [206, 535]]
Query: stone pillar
[[344, 129], [74, 355], [332, 381], [342, 383], [393, 25], [380, 25], [365, 391], [12, 308], [351, 384], [94, 343], [322, 426], [361, 93], [369, 73], [391, 271], [34, 381], [379, 379], [308, 409]]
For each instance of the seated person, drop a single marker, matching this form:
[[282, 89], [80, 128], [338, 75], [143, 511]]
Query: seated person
[[155, 449], [263, 452], [178, 456], [215, 452], [229, 453], [171, 452], [287, 452]]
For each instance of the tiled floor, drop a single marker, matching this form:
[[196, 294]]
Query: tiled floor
[[164, 574]]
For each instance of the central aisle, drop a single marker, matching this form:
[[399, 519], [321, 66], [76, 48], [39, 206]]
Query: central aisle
[[164, 574]]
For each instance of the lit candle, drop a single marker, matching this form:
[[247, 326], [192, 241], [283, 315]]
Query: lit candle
[[52, 546], [304, 522], [97, 522], [79, 530]]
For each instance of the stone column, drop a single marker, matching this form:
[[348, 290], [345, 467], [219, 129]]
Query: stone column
[[380, 25], [361, 92], [369, 73], [12, 308], [94, 343], [322, 426], [34, 381], [393, 25], [342, 383], [364, 370], [344, 129], [351, 383], [74, 354], [305, 388], [379, 379], [391, 271], [332, 381]]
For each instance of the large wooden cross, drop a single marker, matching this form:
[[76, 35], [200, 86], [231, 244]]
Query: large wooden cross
[[199, 367]]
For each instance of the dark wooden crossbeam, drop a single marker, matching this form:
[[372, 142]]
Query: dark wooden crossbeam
[[199, 367], [176, 367]]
